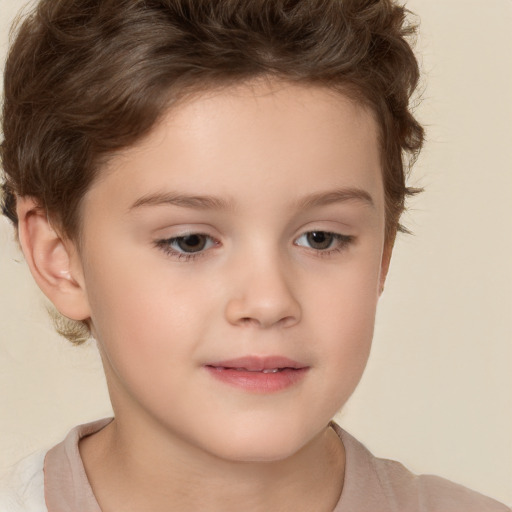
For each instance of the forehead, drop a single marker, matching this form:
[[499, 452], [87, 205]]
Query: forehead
[[231, 139]]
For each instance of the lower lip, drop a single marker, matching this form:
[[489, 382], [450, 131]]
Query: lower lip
[[259, 382]]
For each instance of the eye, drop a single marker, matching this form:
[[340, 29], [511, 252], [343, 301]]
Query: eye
[[324, 241], [186, 246], [190, 243]]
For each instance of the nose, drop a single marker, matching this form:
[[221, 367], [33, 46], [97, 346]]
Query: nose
[[262, 295]]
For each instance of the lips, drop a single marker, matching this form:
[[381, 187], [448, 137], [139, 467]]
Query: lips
[[258, 364], [258, 374], [266, 370]]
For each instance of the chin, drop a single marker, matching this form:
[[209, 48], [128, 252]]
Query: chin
[[258, 453], [262, 445]]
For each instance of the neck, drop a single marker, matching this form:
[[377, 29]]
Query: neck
[[131, 471]]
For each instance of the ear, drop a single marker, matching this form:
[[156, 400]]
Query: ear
[[53, 261], [385, 262]]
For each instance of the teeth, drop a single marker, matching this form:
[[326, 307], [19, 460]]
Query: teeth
[[268, 370]]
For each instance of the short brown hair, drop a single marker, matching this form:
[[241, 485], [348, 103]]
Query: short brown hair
[[85, 78]]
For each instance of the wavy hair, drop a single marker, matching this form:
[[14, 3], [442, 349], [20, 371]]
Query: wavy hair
[[86, 78]]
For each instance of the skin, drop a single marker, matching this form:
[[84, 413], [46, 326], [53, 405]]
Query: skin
[[183, 440]]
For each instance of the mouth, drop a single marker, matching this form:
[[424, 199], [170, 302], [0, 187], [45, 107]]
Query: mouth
[[267, 370], [261, 364], [259, 374]]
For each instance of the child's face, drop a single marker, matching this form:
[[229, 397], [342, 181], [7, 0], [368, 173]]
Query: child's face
[[283, 167]]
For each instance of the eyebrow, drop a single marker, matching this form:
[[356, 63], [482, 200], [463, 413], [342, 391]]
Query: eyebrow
[[206, 202], [340, 195], [186, 201]]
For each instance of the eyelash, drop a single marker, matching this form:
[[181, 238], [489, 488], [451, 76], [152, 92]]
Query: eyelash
[[343, 241], [340, 241], [166, 246]]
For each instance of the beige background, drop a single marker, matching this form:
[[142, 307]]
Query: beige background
[[437, 393]]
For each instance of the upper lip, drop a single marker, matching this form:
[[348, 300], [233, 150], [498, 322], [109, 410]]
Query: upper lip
[[258, 363]]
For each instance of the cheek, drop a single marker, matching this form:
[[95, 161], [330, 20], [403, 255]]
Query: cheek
[[345, 320], [145, 335], [349, 331], [147, 314]]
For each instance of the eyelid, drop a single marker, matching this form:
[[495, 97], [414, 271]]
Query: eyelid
[[165, 244], [343, 241]]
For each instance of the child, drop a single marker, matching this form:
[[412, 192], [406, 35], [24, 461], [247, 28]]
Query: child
[[212, 191]]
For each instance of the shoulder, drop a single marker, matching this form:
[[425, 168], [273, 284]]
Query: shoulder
[[22, 488], [430, 492], [388, 486]]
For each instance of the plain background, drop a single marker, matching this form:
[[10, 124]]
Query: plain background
[[437, 393]]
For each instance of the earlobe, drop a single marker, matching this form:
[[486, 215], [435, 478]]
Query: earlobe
[[52, 260]]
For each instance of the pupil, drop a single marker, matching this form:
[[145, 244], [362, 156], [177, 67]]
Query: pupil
[[192, 243], [320, 239]]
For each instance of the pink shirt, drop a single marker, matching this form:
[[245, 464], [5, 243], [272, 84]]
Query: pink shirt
[[371, 484]]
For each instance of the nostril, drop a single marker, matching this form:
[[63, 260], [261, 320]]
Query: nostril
[[263, 310], [288, 321], [283, 322]]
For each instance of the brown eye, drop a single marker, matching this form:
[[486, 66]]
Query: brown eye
[[324, 242], [191, 243], [187, 247], [320, 239]]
